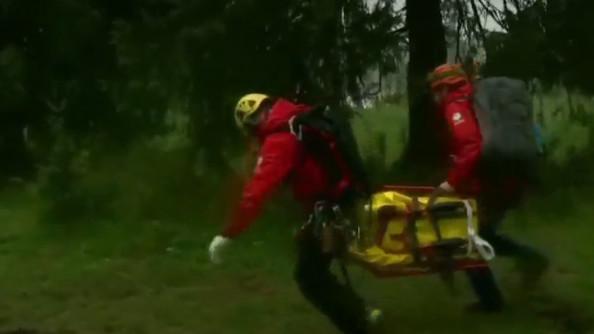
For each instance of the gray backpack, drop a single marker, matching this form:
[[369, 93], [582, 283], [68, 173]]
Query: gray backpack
[[503, 107]]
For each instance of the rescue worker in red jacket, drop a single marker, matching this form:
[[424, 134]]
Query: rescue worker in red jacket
[[284, 159], [469, 176]]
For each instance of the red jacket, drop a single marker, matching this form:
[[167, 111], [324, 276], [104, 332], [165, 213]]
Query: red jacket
[[282, 158], [465, 140], [466, 148]]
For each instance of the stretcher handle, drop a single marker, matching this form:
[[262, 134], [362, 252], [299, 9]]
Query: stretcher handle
[[443, 209], [411, 228], [408, 189]]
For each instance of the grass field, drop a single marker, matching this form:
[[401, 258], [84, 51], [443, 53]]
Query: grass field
[[107, 278]]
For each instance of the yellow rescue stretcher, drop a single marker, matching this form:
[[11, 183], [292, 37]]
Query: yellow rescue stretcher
[[401, 237]]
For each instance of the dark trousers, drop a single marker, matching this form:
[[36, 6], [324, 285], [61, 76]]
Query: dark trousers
[[321, 288], [491, 215]]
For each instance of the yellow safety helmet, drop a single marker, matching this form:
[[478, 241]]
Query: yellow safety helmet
[[247, 106]]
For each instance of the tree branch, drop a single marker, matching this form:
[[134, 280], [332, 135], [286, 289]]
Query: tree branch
[[494, 13], [399, 30], [460, 19], [477, 20], [466, 25]]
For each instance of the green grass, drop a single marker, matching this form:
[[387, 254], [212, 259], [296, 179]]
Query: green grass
[[568, 133], [381, 133], [154, 277]]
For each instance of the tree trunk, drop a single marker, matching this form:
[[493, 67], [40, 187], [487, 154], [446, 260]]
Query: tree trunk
[[427, 50]]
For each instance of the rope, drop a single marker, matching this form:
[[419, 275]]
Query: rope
[[485, 250]]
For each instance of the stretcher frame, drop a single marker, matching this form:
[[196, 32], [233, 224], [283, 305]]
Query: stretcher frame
[[413, 269]]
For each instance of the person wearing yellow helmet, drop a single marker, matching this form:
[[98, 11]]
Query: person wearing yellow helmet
[[285, 158], [250, 110]]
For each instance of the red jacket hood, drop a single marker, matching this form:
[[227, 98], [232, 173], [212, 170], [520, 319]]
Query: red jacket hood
[[280, 114]]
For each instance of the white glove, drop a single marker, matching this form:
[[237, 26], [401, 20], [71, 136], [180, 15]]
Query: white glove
[[447, 187], [217, 247], [443, 189]]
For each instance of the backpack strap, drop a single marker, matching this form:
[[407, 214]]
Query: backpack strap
[[411, 229], [295, 129]]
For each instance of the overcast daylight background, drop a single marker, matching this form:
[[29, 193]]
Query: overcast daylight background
[[488, 22]]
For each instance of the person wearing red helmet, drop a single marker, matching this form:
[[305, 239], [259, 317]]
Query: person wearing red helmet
[[285, 159], [453, 94]]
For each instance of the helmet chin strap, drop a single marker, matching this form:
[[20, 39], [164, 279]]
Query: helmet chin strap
[[252, 123], [254, 120]]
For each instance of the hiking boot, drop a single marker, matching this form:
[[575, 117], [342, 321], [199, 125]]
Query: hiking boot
[[478, 307], [533, 269]]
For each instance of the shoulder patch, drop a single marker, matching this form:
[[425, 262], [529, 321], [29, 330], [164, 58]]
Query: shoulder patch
[[457, 118]]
